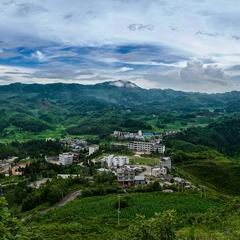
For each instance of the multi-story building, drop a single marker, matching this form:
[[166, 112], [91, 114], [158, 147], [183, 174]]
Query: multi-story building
[[166, 162], [147, 147], [66, 158], [92, 149], [128, 135], [126, 175], [116, 161]]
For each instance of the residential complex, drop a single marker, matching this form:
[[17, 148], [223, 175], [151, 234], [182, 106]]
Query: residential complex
[[166, 162], [128, 135], [66, 158], [92, 149], [115, 161], [146, 147]]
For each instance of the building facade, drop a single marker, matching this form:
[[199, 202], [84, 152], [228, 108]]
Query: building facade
[[66, 158], [166, 162], [147, 147], [115, 161], [92, 149], [126, 176], [158, 171]]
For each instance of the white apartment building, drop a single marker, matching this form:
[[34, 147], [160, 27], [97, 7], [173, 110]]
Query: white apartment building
[[116, 161], [147, 147], [92, 149], [166, 162], [66, 158]]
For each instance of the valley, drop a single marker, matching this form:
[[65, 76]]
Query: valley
[[88, 161]]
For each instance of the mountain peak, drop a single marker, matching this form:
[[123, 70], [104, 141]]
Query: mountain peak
[[122, 84]]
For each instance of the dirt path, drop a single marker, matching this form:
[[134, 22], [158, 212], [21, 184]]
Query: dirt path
[[70, 197]]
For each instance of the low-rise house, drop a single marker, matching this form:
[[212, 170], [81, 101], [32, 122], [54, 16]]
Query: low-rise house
[[39, 183], [66, 176], [92, 149], [158, 171], [66, 158], [139, 180], [19, 168], [179, 180], [103, 170]]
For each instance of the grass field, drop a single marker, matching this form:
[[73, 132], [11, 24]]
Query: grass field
[[96, 217], [151, 161]]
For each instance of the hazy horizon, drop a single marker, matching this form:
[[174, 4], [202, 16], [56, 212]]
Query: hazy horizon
[[187, 46]]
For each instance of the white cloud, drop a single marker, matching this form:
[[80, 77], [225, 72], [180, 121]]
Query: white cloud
[[125, 69], [196, 29], [39, 55]]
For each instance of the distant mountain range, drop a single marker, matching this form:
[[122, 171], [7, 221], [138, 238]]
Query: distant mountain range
[[103, 107], [122, 93]]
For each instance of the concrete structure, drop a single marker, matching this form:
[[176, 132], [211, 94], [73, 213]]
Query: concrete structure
[[166, 162], [66, 158], [103, 170], [139, 180], [158, 171], [116, 161], [146, 147], [126, 175], [66, 176], [128, 135], [92, 149], [74, 144]]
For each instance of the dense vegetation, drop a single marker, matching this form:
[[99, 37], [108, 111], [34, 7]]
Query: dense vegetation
[[205, 153], [223, 135], [38, 111], [96, 217]]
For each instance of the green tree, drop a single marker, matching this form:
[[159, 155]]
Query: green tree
[[159, 227], [9, 226]]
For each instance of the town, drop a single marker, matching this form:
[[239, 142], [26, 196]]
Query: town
[[132, 169]]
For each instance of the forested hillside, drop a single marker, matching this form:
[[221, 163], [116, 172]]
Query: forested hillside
[[222, 135], [56, 109]]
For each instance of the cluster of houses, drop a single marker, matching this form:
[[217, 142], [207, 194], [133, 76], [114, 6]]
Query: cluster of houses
[[145, 143], [119, 165], [128, 175], [9, 167], [77, 145], [74, 144], [68, 158], [74, 147]]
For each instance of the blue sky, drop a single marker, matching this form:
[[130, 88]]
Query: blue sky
[[185, 45]]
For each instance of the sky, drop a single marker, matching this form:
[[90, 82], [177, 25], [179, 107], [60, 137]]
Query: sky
[[187, 45]]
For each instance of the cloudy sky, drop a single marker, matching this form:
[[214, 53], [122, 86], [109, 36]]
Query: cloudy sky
[[187, 45]]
